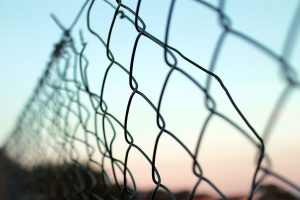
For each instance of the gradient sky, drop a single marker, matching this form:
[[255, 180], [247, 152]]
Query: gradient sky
[[28, 34]]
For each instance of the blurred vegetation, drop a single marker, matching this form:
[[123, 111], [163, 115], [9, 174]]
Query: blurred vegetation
[[77, 182]]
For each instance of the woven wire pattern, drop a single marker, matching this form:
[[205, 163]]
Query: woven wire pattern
[[69, 124]]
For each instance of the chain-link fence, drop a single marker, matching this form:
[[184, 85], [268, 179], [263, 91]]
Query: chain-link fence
[[137, 85]]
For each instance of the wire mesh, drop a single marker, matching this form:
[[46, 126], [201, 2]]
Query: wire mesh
[[70, 135]]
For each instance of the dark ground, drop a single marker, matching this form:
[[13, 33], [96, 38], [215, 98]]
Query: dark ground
[[53, 182]]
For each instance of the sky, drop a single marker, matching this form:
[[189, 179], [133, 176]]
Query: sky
[[28, 34]]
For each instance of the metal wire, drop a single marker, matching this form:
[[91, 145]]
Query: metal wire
[[48, 133]]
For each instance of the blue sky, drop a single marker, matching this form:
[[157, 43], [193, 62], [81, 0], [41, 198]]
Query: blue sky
[[28, 34], [27, 37]]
